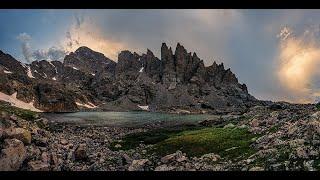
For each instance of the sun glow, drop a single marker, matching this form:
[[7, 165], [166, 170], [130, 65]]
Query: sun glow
[[89, 34], [299, 64]]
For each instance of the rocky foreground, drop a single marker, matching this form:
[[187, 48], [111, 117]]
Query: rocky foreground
[[275, 137]]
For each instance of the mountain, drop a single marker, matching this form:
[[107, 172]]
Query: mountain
[[178, 82]]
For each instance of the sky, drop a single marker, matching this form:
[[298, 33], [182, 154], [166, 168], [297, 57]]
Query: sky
[[276, 53]]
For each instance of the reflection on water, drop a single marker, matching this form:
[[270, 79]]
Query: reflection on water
[[125, 118]]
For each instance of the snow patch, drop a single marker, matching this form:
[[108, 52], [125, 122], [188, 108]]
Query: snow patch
[[24, 65], [51, 63], [93, 74], [7, 72], [75, 68], [88, 105], [45, 75], [18, 103], [146, 108], [54, 78], [141, 70], [29, 73]]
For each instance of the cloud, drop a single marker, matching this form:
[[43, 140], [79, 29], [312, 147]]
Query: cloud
[[25, 46], [203, 31], [299, 63], [53, 54], [84, 32]]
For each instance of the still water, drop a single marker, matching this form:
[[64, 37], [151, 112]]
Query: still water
[[137, 118]]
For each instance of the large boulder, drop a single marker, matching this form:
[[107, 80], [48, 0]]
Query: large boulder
[[18, 133], [12, 155]]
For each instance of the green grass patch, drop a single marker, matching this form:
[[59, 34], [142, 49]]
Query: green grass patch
[[150, 137], [231, 143], [22, 113]]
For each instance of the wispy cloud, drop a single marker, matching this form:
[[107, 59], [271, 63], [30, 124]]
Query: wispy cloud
[[25, 46], [52, 53]]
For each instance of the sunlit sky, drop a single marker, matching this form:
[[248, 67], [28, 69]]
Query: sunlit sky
[[275, 52]]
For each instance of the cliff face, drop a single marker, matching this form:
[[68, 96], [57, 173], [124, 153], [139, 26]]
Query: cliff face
[[88, 80]]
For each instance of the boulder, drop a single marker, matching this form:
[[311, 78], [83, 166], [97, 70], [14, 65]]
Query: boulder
[[18, 133], [230, 125], [40, 141], [256, 168], [139, 165], [172, 157], [211, 157], [38, 166], [63, 142], [81, 152], [12, 155], [164, 167], [42, 122]]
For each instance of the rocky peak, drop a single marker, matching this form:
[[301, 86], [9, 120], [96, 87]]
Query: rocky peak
[[151, 65], [128, 61], [167, 55], [11, 64], [168, 66], [149, 52], [85, 52], [89, 61], [182, 58]]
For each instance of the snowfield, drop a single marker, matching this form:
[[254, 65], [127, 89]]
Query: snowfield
[[12, 99], [29, 73]]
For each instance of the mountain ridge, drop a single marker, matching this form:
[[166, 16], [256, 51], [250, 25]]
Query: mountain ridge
[[178, 80]]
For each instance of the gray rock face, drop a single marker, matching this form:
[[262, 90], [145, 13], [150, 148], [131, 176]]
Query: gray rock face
[[178, 81]]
